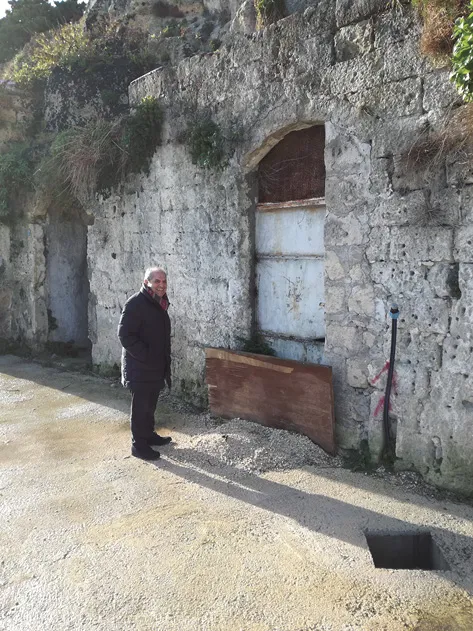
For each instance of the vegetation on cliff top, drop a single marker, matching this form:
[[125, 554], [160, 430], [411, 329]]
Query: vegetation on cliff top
[[16, 174], [462, 57], [92, 158], [447, 38], [268, 12], [71, 47], [439, 19], [27, 18]]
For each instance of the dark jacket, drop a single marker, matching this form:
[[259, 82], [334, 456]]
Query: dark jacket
[[145, 334]]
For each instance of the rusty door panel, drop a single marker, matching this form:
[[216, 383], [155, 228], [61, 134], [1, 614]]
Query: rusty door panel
[[290, 297], [275, 392], [290, 305], [288, 231]]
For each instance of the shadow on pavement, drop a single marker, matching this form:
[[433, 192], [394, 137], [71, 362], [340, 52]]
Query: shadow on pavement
[[319, 513]]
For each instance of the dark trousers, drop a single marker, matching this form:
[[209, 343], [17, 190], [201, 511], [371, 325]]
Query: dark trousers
[[144, 397]]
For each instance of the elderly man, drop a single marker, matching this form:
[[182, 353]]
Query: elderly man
[[145, 334]]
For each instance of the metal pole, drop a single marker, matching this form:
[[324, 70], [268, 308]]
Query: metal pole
[[394, 315]]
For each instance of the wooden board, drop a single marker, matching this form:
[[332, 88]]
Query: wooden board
[[274, 392]]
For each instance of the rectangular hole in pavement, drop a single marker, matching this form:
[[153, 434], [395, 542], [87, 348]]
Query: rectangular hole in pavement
[[406, 551]]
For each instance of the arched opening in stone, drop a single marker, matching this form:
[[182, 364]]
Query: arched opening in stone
[[289, 246], [67, 285]]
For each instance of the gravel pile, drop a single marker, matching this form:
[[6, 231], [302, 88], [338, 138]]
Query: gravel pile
[[254, 448], [245, 446]]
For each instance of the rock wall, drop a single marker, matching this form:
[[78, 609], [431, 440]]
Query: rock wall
[[23, 316], [16, 113], [44, 281], [394, 230], [199, 228], [355, 67]]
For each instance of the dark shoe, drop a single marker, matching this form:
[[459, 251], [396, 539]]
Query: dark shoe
[[145, 453], [158, 440]]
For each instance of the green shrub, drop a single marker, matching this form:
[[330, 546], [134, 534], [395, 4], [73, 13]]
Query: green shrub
[[95, 157], [25, 18], [268, 12], [462, 57], [205, 142], [171, 30], [77, 159], [71, 47], [16, 173], [206, 29], [359, 460], [256, 344], [142, 134], [58, 48], [439, 18], [111, 98]]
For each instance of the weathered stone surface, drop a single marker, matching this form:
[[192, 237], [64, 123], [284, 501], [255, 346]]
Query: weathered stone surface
[[355, 10], [353, 41], [417, 346], [343, 230], [398, 210], [444, 207], [343, 196], [415, 280], [333, 268], [389, 31], [421, 244], [342, 337], [463, 251], [28, 301], [357, 373], [404, 60], [361, 300], [346, 155], [404, 243], [466, 208], [409, 175], [391, 100], [447, 415], [397, 135], [245, 18], [355, 75], [460, 174], [439, 92], [16, 112], [335, 300]]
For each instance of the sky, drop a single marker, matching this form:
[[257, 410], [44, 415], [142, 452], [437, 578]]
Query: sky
[[3, 7]]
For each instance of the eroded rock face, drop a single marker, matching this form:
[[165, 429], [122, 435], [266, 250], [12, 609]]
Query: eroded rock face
[[394, 230], [356, 68]]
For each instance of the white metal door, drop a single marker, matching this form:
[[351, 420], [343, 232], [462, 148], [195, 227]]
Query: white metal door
[[290, 278]]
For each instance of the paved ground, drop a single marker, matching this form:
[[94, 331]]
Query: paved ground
[[91, 538]]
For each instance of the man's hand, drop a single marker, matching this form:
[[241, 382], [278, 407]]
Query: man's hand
[[168, 381]]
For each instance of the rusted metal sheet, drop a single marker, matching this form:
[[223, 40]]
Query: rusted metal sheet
[[296, 204], [290, 231], [275, 392], [290, 297], [290, 276], [294, 168]]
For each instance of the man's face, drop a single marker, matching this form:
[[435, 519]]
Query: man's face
[[157, 283]]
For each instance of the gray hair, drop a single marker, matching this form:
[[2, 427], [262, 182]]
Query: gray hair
[[152, 270]]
